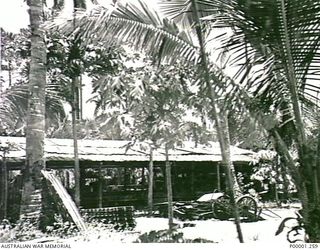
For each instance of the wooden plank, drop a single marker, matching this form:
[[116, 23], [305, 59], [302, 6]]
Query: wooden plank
[[66, 199]]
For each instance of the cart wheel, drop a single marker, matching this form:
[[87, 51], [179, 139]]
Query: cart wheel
[[221, 208], [248, 207]]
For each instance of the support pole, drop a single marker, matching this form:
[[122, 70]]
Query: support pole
[[218, 178], [192, 180], [169, 188], [150, 183], [100, 189]]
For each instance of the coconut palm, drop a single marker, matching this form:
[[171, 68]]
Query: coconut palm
[[69, 61], [279, 40], [35, 133], [269, 34], [163, 40], [282, 37]]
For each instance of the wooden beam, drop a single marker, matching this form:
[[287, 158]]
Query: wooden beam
[[218, 178], [100, 189], [150, 183]]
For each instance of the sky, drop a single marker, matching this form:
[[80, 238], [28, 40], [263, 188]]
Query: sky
[[14, 15]]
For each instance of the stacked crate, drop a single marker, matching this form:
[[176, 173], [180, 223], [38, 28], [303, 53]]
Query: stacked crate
[[120, 217]]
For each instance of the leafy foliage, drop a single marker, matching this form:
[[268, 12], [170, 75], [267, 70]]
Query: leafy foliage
[[15, 52], [14, 99], [259, 43], [13, 110], [69, 58], [151, 103], [167, 236]]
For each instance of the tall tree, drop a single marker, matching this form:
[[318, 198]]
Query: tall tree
[[35, 162], [150, 104], [284, 45], [68, 60], [180, 43], [221, 122], [150, 182], [282, 37]]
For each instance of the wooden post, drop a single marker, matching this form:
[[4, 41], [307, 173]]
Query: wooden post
[[143, 179], [150, 183], [100, 189], [125, 178], [218, 177], [275, 168], [67, 179], [192, 179], [169, 188]]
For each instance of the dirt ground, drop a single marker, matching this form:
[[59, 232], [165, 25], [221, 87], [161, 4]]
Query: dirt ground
[[220, 231]]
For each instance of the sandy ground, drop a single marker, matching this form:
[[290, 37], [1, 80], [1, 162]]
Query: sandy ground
[[223, 232]]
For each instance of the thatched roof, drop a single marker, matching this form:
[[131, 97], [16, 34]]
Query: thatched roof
[[118, 151]]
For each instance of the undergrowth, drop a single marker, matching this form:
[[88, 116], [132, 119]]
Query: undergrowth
[[167, 236]]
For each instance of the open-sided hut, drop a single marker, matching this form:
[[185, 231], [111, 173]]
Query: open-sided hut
[[112, 173]]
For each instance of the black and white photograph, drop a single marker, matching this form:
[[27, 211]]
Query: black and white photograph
[[181, 123]]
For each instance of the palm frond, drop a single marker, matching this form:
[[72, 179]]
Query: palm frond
[[181, 10], [137, 26], [14, 106], [262, 33]]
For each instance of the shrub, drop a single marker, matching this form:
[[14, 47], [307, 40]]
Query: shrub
[[167, 236]]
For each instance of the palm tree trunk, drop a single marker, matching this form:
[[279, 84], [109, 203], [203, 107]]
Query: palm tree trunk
[[1, 83], [169, 187], [305, 154], [230, 173], [75, 141], [306, 166], [80, 99], [221, 125], [9, 73], [283, 149], [76, 115], [35, 133], [318, 161], [150, 183], [5, 186]]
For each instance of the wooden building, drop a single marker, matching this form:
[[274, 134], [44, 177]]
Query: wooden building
[[114, 174]]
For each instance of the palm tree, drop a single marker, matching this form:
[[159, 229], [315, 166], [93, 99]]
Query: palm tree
[[266, 33], [285, 44], [70, 81], [14, 109], [164, 41], [221, 121], [31, 194], [282, 37]]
